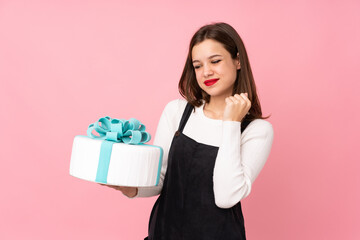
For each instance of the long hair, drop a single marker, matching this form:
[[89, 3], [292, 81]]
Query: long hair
[[231, 41]]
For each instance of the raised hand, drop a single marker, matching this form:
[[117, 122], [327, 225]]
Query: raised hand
[[236, 107]]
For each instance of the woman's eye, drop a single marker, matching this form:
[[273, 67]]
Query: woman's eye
[[196, 67]]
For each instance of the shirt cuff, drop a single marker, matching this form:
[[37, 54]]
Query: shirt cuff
[[231, 130]]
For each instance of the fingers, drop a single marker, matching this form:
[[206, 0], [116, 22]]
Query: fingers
[[235, 99], [228, 100], [113, 186], [231, 99], [237, 107], [241, 97]]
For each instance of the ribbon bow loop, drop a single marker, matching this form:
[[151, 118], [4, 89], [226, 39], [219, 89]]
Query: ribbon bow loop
[[130, 131]]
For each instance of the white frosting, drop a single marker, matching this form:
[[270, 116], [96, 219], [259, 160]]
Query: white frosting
[[130, 165]]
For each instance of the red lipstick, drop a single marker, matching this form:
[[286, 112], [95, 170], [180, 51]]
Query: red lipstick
[[211, 81]]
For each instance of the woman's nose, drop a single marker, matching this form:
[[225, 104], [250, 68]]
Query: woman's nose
[[207, 70]]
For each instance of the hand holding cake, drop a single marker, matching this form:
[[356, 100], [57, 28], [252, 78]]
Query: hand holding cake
[[127, 191]]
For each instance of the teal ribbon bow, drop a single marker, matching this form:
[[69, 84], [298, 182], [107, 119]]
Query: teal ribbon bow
[[113, 130], [130, 131]]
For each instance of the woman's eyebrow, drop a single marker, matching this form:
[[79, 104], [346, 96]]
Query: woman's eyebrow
[[215, 55]]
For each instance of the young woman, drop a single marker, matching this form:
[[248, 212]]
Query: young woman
[[215, 143]]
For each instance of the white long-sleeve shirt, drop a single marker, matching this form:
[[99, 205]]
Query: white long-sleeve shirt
[[240, 158]]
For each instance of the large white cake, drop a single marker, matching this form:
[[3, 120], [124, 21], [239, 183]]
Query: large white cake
[[127, 165]]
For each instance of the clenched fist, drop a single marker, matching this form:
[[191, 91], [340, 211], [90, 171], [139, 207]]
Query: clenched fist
[[236, 107]]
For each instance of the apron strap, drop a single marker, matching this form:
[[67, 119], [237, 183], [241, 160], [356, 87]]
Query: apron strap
[[185, 116]]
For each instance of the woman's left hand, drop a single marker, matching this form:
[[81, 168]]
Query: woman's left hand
[[128, 191], [237, 107]]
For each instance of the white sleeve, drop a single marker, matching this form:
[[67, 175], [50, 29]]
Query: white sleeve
[[167, 126], [241, 156]]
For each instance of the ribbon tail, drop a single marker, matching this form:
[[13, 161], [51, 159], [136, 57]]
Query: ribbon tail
[[104, 161]]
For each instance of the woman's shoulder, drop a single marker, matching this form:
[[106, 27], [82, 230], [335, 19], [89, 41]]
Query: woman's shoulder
[[175, 106], [261, 126]]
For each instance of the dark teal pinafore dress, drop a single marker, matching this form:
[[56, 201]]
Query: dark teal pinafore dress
[[186, 209]]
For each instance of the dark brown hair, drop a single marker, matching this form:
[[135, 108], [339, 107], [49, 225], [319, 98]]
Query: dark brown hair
[[231, 41]]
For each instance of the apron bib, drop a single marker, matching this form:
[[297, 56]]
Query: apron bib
[[186, 209]]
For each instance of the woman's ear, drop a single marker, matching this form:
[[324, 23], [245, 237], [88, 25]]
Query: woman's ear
[[238, 66]]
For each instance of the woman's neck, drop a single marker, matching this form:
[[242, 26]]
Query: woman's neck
[[215, 108]]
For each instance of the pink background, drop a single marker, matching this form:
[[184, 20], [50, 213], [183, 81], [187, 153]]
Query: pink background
[[64, 64]]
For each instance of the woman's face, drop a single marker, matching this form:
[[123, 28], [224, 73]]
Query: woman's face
[[212, 61]]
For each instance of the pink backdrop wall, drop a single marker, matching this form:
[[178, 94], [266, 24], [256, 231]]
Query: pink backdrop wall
[[64, 64]]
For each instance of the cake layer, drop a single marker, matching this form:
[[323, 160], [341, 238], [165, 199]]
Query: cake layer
[[128, 165]]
